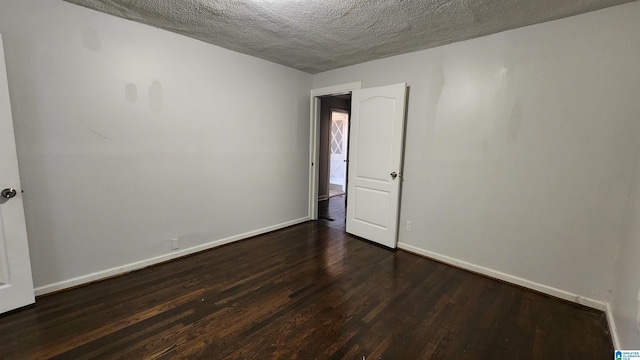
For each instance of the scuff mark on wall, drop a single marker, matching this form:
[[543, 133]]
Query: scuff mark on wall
[[99, 134], [156, 96], [91, 39]]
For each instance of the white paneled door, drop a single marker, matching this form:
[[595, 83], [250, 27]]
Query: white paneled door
[[16, 284], [375, 162]]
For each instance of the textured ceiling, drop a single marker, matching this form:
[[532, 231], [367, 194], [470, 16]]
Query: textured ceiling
[[320, 35]]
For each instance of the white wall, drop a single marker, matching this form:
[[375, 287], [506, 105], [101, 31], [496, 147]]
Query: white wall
[[626, 288], [129, 136], [521, 147]]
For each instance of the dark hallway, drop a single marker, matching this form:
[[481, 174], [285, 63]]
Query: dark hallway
[[333, 211]]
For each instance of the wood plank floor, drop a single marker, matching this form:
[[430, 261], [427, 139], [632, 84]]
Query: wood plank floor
[[306, 292]]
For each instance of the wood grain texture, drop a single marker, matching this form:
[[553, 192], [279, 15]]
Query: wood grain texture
[[306, 292]]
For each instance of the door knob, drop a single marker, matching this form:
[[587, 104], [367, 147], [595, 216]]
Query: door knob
[[8, 193], [394, 175]]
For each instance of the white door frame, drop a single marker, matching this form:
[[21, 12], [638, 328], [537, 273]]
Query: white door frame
[[314, 138]]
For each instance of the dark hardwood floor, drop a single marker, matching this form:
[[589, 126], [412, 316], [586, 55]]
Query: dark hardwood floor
[[306, 292]]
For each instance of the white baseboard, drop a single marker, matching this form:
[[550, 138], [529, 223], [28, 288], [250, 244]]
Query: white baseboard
[[612, 328], [549, 290], [61, 285]]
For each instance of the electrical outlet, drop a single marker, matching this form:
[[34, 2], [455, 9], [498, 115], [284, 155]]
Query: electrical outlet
[[407, 225], [175, 244]]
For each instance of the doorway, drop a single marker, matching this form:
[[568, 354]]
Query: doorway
[[333, 145], [319, 185], [376, 128], [338, 148], [333, 161]]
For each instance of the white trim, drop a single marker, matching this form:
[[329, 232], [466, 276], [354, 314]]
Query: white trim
[[158, 259], [612, 328], [549, 290], [323, 197], [337, 89], [314, 134]]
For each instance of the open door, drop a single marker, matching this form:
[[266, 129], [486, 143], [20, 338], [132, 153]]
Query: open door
[[375, 162], [16, 283]]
